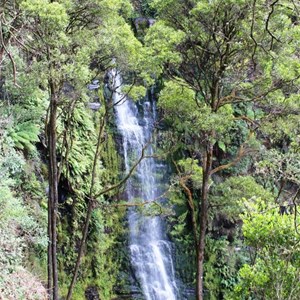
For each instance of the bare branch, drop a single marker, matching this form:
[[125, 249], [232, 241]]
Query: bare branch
[[273, 37], [182, 182], [252, 34], [9, 55], [121, 182], [296, 211], [134, 204], [241, 153]]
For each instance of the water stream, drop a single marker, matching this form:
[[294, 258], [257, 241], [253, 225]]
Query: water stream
[[151, 253]]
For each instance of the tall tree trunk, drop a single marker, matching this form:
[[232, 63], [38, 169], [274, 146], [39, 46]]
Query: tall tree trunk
[[81, 248], [49, 253], [53, 196], [1, 61], [89, 210], [207, 165], [193, 213]]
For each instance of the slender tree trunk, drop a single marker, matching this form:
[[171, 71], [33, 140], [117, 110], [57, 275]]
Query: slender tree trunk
[[89, 211], [81, 248], [49, 253], [53, 196], [193, 213], [1, 60], [207, 165]]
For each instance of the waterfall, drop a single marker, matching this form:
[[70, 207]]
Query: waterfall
[[151, 253]]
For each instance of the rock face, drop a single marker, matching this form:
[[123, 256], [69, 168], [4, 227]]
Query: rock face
[[94, 85], [94, 105], [143, 22], [91, 293]]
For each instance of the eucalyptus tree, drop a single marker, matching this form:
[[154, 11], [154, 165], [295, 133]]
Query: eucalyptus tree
[[65, 37], [218, 55]]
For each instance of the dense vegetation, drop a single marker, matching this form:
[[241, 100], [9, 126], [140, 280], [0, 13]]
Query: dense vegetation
[[226, 77]]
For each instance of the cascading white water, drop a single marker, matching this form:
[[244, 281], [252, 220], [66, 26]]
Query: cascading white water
[[151, 253]]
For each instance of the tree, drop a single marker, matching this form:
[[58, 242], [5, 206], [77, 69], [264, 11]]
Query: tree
[[231, 53], [11, 26], [273, 272], [67, 38]]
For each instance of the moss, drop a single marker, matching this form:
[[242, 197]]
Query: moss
[[111, 159], [101, 263]]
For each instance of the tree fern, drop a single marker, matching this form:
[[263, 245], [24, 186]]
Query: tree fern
[[24, 136]]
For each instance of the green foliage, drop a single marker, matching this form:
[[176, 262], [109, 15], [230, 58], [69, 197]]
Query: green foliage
[[274, 272], [191, 168], [220, 267], [180, 221], [181, 109], [263, 226], [24, 110], [180, 230], [117, 41], [161, 41], [287, 164], [147, 9], [20, 232], [176, 98], [111, 161], [24, 136], [77, 148], [227, 195], [53, 14], [232, 69], [276, 167], [106, 264], [101, 263], [134, 92], [70, 35]]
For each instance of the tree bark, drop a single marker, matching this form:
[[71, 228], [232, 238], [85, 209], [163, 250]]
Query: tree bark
[[49, 253], [207, 166], [193, 213], [53, 197], [81, 248]]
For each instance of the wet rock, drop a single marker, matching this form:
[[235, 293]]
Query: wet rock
[[94, 105], [93, 86], [151, 22], [91, 293], [142, 22], [142, 122]]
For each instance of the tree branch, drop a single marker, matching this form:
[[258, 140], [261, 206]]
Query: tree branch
[[182, 182], [121, 182], [9, 55], [273, 37], [241, 153]]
